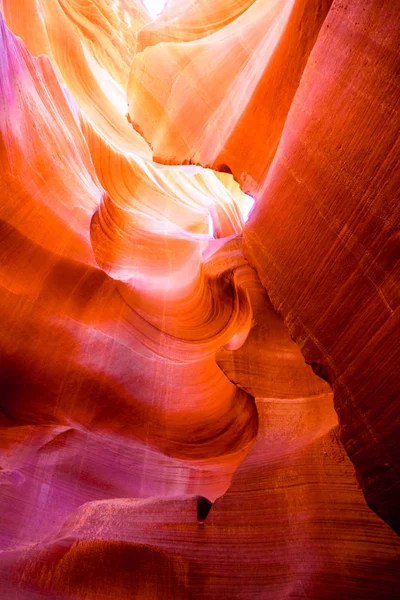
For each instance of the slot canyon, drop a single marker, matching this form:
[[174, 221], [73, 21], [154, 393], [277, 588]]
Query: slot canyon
[[199, 299]]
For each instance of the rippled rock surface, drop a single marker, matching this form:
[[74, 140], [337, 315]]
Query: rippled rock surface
[[197, 402]]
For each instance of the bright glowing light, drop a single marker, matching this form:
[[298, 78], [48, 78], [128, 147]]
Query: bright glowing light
[[210, 226], [246, 207], [154, 7], [127, 18], [110, 87]]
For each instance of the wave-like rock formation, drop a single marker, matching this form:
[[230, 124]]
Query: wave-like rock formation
[[195, 403]]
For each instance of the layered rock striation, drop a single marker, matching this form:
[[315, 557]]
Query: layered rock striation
[[161, 352]]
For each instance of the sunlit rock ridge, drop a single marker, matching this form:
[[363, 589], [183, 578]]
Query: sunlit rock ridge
[[199, 296]]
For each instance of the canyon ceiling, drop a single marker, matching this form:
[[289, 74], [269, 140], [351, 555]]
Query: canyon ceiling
[[199, 300]]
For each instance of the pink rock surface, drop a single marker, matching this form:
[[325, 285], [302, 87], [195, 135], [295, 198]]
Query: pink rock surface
[[153, 345]]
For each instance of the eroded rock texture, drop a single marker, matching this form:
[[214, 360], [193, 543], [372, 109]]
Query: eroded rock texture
[[336, 278], [154, 345]]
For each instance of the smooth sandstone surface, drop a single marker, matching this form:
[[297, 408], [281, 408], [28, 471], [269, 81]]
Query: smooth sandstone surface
[[154, 338], [324, 236], [335, 277]]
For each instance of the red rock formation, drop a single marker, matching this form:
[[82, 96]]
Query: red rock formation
[[333, 270], [324, 236], [234, 111], [143, 368]]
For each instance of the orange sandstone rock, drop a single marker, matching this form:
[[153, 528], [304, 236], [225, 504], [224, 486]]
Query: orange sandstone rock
[[145, 375]]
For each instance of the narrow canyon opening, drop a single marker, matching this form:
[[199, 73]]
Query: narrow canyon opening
[[199, 299]]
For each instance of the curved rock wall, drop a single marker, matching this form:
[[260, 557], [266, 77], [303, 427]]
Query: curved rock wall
[[144, 370], [333, 269]]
